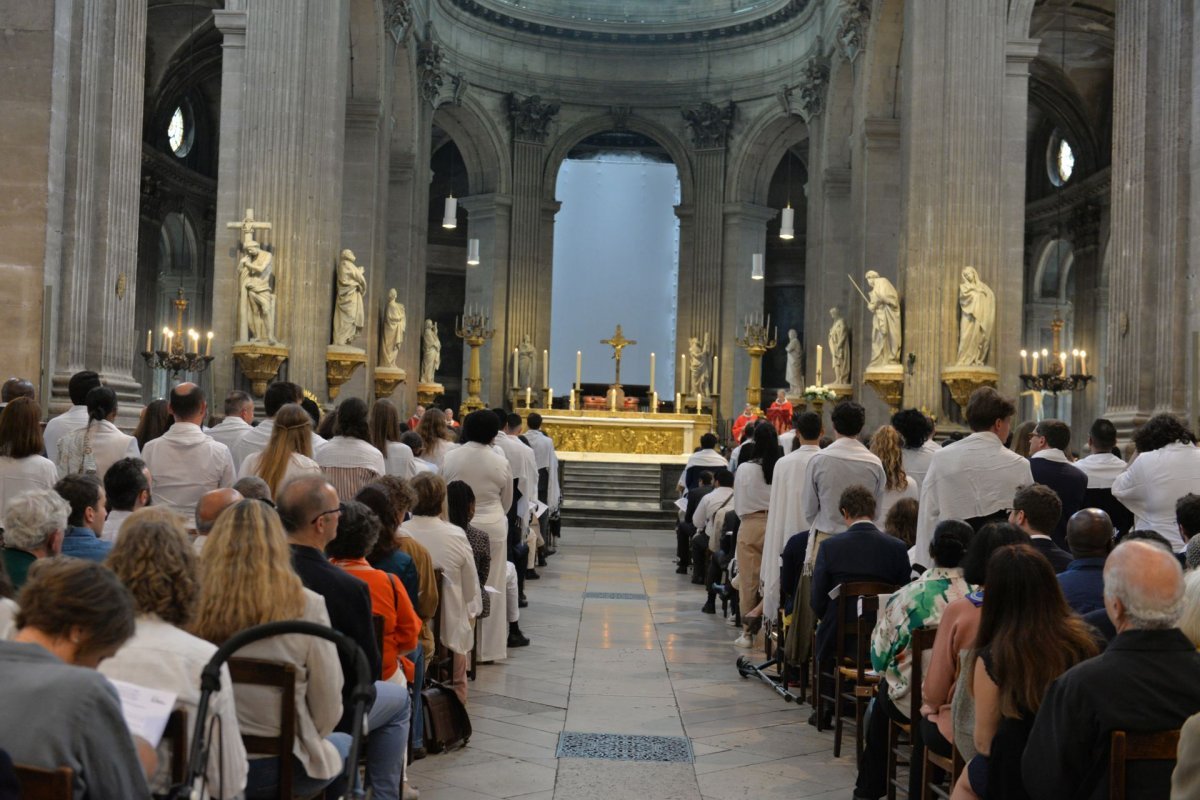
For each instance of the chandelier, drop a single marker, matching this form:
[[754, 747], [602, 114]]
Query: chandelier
[[1055, 370], [178, 352]]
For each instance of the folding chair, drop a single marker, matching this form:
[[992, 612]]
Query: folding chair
[[1129, 746], [898, 749]]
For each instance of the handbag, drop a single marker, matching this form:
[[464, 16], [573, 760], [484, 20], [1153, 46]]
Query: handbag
[[447, 723]]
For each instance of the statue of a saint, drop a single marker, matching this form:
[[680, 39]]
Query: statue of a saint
[[431, 352], [795, 372], [394, 326], [978, 304], [256, 296], [525, 357], [884, 303], [839, 347], [698, 365], [348, 318]]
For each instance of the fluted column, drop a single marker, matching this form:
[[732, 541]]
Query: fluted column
[[745, 234], [489, 219]]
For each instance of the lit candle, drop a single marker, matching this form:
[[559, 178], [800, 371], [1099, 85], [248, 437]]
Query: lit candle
[[170, 338], [1035, 358], [819, 383], [578, 369], [652, 373], [208, 345], [1024, 362], [546, 368], [516, 380], [166, 337], [1062, 360], [149, 340], [528, 396], [195, 341], [716, 374], [683, 371], [1083, 362], [1075, 361]]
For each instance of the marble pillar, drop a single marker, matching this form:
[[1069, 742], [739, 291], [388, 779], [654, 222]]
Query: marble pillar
[[489, 219], [283, 126], [407, 242], [745, 234], [700, 277]]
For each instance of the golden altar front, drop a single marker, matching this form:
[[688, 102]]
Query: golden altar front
[[622, 435]]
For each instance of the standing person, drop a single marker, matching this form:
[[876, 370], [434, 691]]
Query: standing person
[[85, 494], [184, 461], [34, 525], [1050, 467], [349, 460], [547, 466], [436, 437], [127, 488], [523, 463], [787, 513], [748, 416], [239, 417], [98, 444], [917, 431], [385, 435], [845, 463], [415, 419], [153, 423], [751, 502], [288, 454], [23, 468], [898, 485], [1166, 468], [278, 394], [74, 418], [1102, 468], [488, 474], [974, 480], [1036, 510], [779, 413]]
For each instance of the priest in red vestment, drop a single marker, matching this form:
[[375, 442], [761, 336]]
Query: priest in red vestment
[[780, 413], [748, 415]]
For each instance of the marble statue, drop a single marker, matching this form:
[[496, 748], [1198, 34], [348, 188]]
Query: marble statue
[[431, 352], [348, 317], [839, 347], [795, 373], [256, 295], [394, 326], [978, 322], [525, 357], [884, 303], [698, 365]]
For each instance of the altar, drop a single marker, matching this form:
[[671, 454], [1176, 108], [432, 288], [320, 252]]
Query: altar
[[628, 436]]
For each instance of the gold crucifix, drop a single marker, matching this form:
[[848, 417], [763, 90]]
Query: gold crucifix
[[618, 342]]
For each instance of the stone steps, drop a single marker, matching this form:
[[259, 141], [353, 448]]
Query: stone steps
[[611, 495]]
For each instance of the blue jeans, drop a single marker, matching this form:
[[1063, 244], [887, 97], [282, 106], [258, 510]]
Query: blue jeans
[[263, 780], [418, 713], [387, 726]]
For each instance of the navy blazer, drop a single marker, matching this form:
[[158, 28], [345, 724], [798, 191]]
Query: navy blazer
[[1069, 482], [1059, 559], [862, 552]]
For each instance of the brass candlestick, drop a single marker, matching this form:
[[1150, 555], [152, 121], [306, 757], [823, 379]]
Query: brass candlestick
[[756, 340], [474, 328]]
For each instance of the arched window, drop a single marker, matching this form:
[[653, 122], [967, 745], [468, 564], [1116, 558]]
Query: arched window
[[1060, 159], [1054, 270], [181, 130]]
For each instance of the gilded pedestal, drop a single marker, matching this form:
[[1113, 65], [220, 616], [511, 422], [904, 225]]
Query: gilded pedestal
[[387, 379], [579, 434], [260, 363], [842, 390], [962, 381], [888, 382], [340, 363], [428, 392]]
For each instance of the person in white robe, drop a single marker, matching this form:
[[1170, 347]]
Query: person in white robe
[[1166, 468], [706, 458], [239, 414], [99, 444], [75, 417]]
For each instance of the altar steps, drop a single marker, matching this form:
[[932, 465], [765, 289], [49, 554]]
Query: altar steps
[[605, 495]]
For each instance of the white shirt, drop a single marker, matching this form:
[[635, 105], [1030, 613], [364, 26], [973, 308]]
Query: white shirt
[[112, 525], [916, 460], [488, 474], [751, 492], [436, 453], [1102, 469], [255, 441], [523, 464], [298, 466], [161, 656], [845, 463], [60, 426], [976, 477], [893, 496], [705, 516], [108, 446], [184, 464], [703, 458], [1154, 482], [786, 518], [786, 440], [400, 461], [547, 459], [8, 618], [19, 475], [347, 451], [461, 600], [230, 431]]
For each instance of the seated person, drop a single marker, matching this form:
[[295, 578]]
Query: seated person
[[56, 710], [1102, 626], [34, 524], [1090, 537], [85, 493]]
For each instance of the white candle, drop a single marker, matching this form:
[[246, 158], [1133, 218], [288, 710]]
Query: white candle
[[1035, 358], [699, 404], [1083, 362], [516, 380], [149, 340], [652, 373], [678, 403], [571, 401], [208, 345], [654, 402], [170, 338], [528, 396], [578, 369], [819, 383], [716, 374], [1074, 362], [165, 337], [549, 397], [1024, 362], [683, 382], [546, 368], [195, 341], [612, 395]]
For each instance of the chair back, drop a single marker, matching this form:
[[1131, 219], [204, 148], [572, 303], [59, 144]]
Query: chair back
[[441, 666], [852, 639], [1128, 746], [348, 480], [921, 643], [283, 677], [45, 784]]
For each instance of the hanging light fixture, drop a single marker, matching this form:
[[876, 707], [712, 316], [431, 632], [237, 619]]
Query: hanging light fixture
[[473, 252], [787, 218], [756, 267], [450, 215]]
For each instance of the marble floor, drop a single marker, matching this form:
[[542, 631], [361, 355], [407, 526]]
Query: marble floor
[[650, 666]]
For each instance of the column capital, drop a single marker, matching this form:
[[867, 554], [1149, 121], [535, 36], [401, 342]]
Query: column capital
[[710, 124], [749, 212], [230, 22], [479, 206]]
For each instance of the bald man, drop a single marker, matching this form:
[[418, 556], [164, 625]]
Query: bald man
[[1144, 681], [14, 388], [1090, 538]]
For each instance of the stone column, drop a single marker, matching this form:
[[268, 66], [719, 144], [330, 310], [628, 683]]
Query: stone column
[[284, 116], [489, 219], [407, 240], [745, 234]]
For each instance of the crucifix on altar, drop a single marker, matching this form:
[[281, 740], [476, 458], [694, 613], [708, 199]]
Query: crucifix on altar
[[618, 342]]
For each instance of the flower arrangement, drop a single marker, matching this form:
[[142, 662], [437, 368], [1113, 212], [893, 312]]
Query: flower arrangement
[[815, 392]]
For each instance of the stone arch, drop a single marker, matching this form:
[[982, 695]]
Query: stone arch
[[768, 139], [1047, 249], [606, 122], [481, 144]]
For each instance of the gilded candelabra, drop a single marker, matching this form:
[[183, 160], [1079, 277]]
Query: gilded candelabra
[[756, 340], [174, 356], [1058, 371], [474, 328]]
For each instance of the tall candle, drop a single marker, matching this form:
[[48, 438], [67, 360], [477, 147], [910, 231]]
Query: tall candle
[[149, 340], [612, 397], [683, 373], [699, 403], [678, 403], [1024, 362], [1035, 358], [545, 368], [819, 382], [716, 374], [528, 396], [516, 380], [549, 397], [1083, 362], [578, 369], [208, 345], [654, 402], [195, 341], [165, 336], [652, 373]]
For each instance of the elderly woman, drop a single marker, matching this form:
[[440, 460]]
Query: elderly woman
[[158, 565], [34, 526], [56, 710]]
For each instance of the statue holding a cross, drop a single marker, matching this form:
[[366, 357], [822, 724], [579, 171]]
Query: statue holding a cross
[[256, 289], [618, 342]]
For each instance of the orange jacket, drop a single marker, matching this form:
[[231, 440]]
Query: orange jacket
[[401, 625]]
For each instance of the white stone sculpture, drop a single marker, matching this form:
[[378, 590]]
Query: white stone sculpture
[[394, 326], [795, 373], [525, 357], [348, 316], [839, 348], [978, 322], [431, 352], [884, 304], [698, 365], [256, 295]]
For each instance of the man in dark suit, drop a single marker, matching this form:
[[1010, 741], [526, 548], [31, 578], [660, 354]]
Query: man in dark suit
[[1050, 467], [1090, 535], [1141, 683], [862, 552], [1036, 510]]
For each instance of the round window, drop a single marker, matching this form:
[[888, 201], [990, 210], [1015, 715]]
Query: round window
[[1061, 160], [179, 133]]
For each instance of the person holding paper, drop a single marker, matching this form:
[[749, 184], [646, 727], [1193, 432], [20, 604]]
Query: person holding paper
[[56, 710]]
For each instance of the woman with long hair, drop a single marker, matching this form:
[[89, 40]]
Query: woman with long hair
[[385, 435], [159, 566], [436, 437], [1019, 443], [887, 446], [1027, 637], [247, 579], [154, 422], [349, 460], [22, 465], [751, 502], [288, 454], [99, 444]]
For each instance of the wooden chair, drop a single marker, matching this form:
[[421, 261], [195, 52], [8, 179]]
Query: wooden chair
[[45, 784], [441, 666], [898, 748], [1129, 746], [282, 677]]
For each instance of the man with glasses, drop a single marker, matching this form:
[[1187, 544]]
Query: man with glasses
[[1050, 467], [310, 510]]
